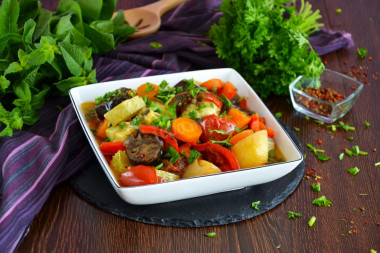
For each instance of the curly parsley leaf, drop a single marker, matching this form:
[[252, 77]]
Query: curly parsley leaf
[[322, 201], [292, 215]]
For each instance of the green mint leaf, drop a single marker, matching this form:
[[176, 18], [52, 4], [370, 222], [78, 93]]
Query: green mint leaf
[[73, 58], [9, 13]]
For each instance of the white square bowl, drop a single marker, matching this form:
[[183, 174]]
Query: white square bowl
[[198, 186]]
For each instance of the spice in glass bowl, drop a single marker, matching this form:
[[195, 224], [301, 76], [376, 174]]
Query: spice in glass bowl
[[325, 94]]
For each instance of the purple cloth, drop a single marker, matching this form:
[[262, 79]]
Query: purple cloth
[[35, 160]]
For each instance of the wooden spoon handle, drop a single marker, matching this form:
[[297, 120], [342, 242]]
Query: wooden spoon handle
[[162, 6]]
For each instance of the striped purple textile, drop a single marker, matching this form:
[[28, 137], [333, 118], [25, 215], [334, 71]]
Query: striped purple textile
[[35, 160]]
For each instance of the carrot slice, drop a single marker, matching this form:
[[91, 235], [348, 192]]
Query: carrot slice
[[149, 90], [228, 90], [240, 118], [210, 84], [186, 129], [238, 137], [101, 133]]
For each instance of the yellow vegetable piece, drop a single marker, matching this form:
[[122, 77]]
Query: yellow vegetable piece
[[120, 161], [200, 168], [252, 151], [167, 175], [125, 110], [116, 133]]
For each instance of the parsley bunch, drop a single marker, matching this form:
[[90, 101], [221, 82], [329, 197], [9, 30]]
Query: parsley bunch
[[268, 49]]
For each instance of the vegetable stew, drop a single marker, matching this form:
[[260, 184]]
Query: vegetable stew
[[159, 133]]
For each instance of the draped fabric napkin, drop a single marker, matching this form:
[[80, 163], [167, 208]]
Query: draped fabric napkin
[[35, 160]]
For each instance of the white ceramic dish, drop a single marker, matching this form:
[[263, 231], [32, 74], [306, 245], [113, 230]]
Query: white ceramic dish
[[198, 186]]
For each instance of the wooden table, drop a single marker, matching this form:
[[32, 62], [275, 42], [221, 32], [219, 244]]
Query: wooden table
[[67, 223]]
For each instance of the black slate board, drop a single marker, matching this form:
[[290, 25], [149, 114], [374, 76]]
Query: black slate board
[[216, 209]]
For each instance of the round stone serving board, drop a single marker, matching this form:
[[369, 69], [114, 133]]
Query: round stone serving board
[[217, 209]]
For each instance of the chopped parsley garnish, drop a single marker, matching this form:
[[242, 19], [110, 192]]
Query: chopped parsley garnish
[[193, 88], [122, 125], [155, 44], [341, 156], [225, 143], [338, 11], [149, 87], [333, 127], [316, 187], [107, 96], [194, 154], [322, 201], [353, 171], [362, 52], [226, 101], [351, 138], [319, 122], [193, 115], [307, 117], [172, 154], [162, 122], [297, 129], [255, 205], [367, 124], [136, 121], [377, 164], [323, 158], [211, 234], [346, 126], [278, 114], [292, 215], [312, 221], [314, 149], [159, 166]]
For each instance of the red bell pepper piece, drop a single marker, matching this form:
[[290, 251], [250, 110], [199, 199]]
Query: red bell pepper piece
[[139, 175], [228, 90], [220, 156], [255, 122], [111, 147], [167, 137], [209, 97]]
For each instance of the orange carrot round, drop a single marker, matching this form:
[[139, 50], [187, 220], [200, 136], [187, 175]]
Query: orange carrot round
[[240, 118], [186, 129], [149, 90], [238, 137]]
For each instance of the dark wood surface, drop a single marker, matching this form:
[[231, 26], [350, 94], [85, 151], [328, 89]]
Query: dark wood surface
[[68, 223]]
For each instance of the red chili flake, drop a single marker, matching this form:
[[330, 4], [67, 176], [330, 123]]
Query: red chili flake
[[370, 58], [378, 223], [374, 150], [366, 222], [345, 62], [319, 141], [354, 231], [325, 62]]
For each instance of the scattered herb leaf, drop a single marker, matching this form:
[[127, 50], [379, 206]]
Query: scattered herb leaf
[[362, 52], [312, 221], [338, 11], [322, 201], [367, 124], [278, 114], [341, 156], [211, 234], [316, 187], [255, 205], [292, 215], [319, 122], [155, 44], [353, 171]]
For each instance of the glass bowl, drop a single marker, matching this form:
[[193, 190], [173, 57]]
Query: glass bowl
[[326, 98]]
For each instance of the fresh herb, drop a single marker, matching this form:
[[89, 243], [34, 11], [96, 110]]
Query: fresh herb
[[373, 251], [319, 122], [136, 121], [278, 114], [341, 156], [292, 215], [162, 122], [149, 87], [122, 125], [255, 33], [351, 138], [323, 158], [225, 142], [307, 117], [194, 154], [362, 52], [192, 88], [172, 154], [348, 152], [226, 101], [278, 246], [312, 221], [314, 149], [338, 11], [211, 234], [255, 205], [155, 44], [193, 115], [46, 53], [333, 127], [158, 167], [297, 129], [107, 96], [377, 164], [316, 187], [353, 171], [367, 124], [165, 92], [346, 126], [322, 201]]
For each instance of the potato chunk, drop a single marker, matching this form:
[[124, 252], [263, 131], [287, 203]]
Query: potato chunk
[[200, 168], [252, 151], [120, 161], [125, 110]]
